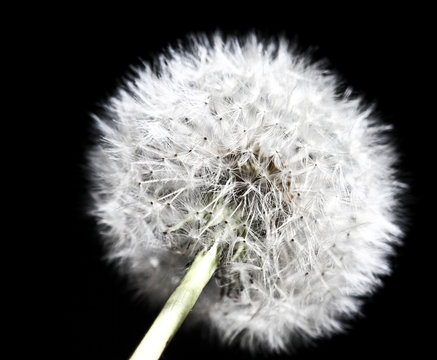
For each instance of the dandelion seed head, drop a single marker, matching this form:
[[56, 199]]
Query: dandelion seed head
[[248, 144]]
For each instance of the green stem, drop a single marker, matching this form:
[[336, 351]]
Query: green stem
[[177, 306]]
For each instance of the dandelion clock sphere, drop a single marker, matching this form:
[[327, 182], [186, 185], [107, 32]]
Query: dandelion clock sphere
[[242, 154]]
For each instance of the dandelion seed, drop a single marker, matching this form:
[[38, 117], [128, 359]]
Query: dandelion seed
[[304, 140]]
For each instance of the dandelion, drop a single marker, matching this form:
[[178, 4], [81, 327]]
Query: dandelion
[[240, 158]]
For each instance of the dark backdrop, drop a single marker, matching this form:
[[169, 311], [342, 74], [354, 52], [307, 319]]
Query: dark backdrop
[[383, 54]]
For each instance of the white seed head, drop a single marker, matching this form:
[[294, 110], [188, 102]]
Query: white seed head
[[248, 144]]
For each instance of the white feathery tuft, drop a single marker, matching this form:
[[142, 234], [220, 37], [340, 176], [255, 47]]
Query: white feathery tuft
[[248, 144]]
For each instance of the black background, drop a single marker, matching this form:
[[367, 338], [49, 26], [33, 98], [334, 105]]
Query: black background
[[383, 54]]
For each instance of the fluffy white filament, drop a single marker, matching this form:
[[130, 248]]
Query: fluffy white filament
[[248, 145]]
